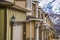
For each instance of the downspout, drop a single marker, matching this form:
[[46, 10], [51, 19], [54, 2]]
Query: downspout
[[37, 32], [45, 34], [42, 35], [30, 31]]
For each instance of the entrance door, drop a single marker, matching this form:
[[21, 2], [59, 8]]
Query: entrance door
[[18, 31]]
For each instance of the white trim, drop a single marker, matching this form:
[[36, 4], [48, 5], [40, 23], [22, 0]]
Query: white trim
[[30, 31], [37, 33], [20, 20], [37, 19], [42, 35]]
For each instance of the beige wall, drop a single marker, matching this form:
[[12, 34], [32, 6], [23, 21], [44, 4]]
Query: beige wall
[[28, 30], [32, 23], [18, 15], [1, 24], [20, 3]]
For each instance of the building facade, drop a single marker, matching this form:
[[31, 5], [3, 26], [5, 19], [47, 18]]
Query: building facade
[[13, 19], [24, 20], [47, 27], [33, 21]]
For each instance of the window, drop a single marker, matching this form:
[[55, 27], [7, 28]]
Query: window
[[45, 15], [41, 16], [38, 14]]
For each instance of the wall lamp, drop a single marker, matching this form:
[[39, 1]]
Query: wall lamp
[[12, 20]]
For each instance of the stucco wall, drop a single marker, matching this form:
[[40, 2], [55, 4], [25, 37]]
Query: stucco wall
[[20, 3], [18, 15], [1, 24], [33, 30], [28, 30]]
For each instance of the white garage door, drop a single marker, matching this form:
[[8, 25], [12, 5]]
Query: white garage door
[[18, 32]]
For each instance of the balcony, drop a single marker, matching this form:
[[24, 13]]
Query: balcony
[[7, 2]]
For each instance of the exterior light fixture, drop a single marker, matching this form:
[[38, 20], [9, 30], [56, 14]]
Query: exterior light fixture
[[36, 26], [27, 18], [12, 20]]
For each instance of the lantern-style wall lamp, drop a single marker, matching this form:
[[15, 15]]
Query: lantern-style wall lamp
[[12, 20]]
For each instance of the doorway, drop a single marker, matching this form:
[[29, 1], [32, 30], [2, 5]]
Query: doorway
[[18, 31]]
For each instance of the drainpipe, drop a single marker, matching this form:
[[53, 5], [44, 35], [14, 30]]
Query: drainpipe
[[45, 34], [30, 31], [42, 35], [47, 29], [37, 32]]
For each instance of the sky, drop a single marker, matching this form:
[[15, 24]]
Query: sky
[[52, 7]]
